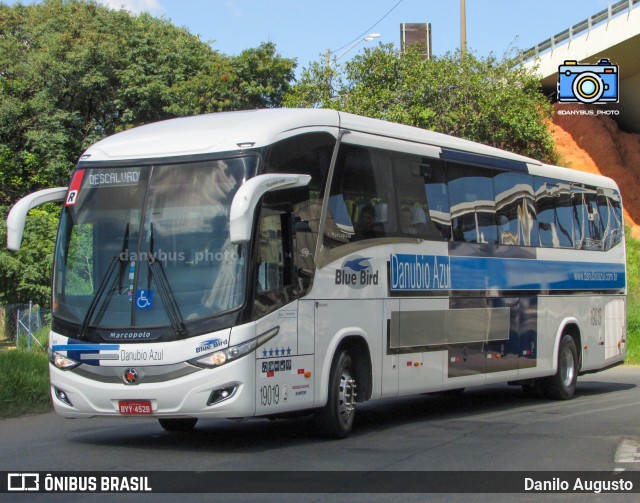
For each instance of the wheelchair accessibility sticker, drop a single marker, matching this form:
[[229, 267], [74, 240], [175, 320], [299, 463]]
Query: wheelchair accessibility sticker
[[144, 299]]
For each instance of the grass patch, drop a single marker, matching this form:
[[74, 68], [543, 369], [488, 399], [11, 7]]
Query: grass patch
[[24, 382], [633, 331], [39, 341], [633, 300]]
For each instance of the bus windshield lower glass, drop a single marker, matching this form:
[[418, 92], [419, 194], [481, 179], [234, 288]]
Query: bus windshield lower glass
[[148, 246]]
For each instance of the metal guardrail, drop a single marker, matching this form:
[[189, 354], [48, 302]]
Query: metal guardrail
[[579, 28]]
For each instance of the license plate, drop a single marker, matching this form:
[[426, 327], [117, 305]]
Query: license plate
[[134, 407]]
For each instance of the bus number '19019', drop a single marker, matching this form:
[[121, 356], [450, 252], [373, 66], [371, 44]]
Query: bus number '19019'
[[270, 395]]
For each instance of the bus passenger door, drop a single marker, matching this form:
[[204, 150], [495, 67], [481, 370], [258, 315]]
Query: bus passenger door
[[283, 361]]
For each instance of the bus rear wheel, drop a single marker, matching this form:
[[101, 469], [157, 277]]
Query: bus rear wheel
[[335, 419], [562, 385], [180, 424]]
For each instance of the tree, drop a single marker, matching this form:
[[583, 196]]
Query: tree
[[484, 100], [26, 275], [73, 72]]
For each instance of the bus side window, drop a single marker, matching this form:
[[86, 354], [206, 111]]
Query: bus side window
[[515, 212], [594, 222], [361, 201], [473, 209], [555, 216], [587, 224], [415, 177], [563, 215], [304, 154], [609, 209], [435, 187], [579, 210], [545, 209], [275, 282]]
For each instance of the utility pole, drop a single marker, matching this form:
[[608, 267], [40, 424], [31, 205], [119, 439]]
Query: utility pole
[[328, 58], [463, 27]]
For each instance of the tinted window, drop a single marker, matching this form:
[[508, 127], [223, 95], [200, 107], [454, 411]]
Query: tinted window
[[472, 204], [611, 218], [308, 154], [305, 154], [554, 213], [361, 202], [421, 194], [515, 209], [588, 229]]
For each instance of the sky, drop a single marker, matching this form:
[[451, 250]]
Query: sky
[[305, 29]]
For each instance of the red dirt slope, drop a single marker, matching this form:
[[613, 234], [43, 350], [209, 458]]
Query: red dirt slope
[[595, 144]]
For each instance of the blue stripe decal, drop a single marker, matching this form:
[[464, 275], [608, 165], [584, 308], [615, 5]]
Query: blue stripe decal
[[441, 273], [86, 347]]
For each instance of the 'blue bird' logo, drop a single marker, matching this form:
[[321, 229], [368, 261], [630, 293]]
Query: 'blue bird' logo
[[356, 264]]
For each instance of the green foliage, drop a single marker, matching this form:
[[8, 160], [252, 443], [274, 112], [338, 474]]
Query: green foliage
[[39, 340], [484, 100], [633, 265], [633, 300], [257, 78], [26, 275], [633, 330], [74, 72], [24, 382]]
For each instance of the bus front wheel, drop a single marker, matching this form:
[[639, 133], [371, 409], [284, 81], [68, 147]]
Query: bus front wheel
[[562, 385], [335, 419]]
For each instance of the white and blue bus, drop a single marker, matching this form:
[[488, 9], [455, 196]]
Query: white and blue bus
[[264, 262]]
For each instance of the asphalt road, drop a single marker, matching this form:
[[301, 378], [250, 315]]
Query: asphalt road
[[492, 428]]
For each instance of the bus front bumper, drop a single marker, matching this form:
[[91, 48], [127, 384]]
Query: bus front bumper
[[182, 391]]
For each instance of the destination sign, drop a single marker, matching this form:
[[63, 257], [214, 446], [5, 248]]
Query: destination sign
[[111, 178]]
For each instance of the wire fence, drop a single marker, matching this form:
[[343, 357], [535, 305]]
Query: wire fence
[[25, 325]]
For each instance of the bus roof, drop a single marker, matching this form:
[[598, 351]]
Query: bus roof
[[229, 131], [210, 133], [225, 131]]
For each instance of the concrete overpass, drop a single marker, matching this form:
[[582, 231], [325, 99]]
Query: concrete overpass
[[613, 33]]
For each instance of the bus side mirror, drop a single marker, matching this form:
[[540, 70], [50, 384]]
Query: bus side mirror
[[246, 199], [18, 214]]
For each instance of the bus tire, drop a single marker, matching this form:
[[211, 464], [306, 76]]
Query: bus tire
[[180, 424], [562, 385], [335, 419]]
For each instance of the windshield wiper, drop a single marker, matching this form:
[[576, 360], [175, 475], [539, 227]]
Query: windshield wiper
[[122, 258], [166, 293]]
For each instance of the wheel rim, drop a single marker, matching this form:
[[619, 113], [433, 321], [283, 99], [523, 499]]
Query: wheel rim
[[567, 368], [346, 397]]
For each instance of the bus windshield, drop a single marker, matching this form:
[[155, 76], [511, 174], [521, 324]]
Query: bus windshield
[[148, 246]]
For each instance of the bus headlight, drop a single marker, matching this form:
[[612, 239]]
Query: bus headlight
[[219, 358], [62, 362]]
